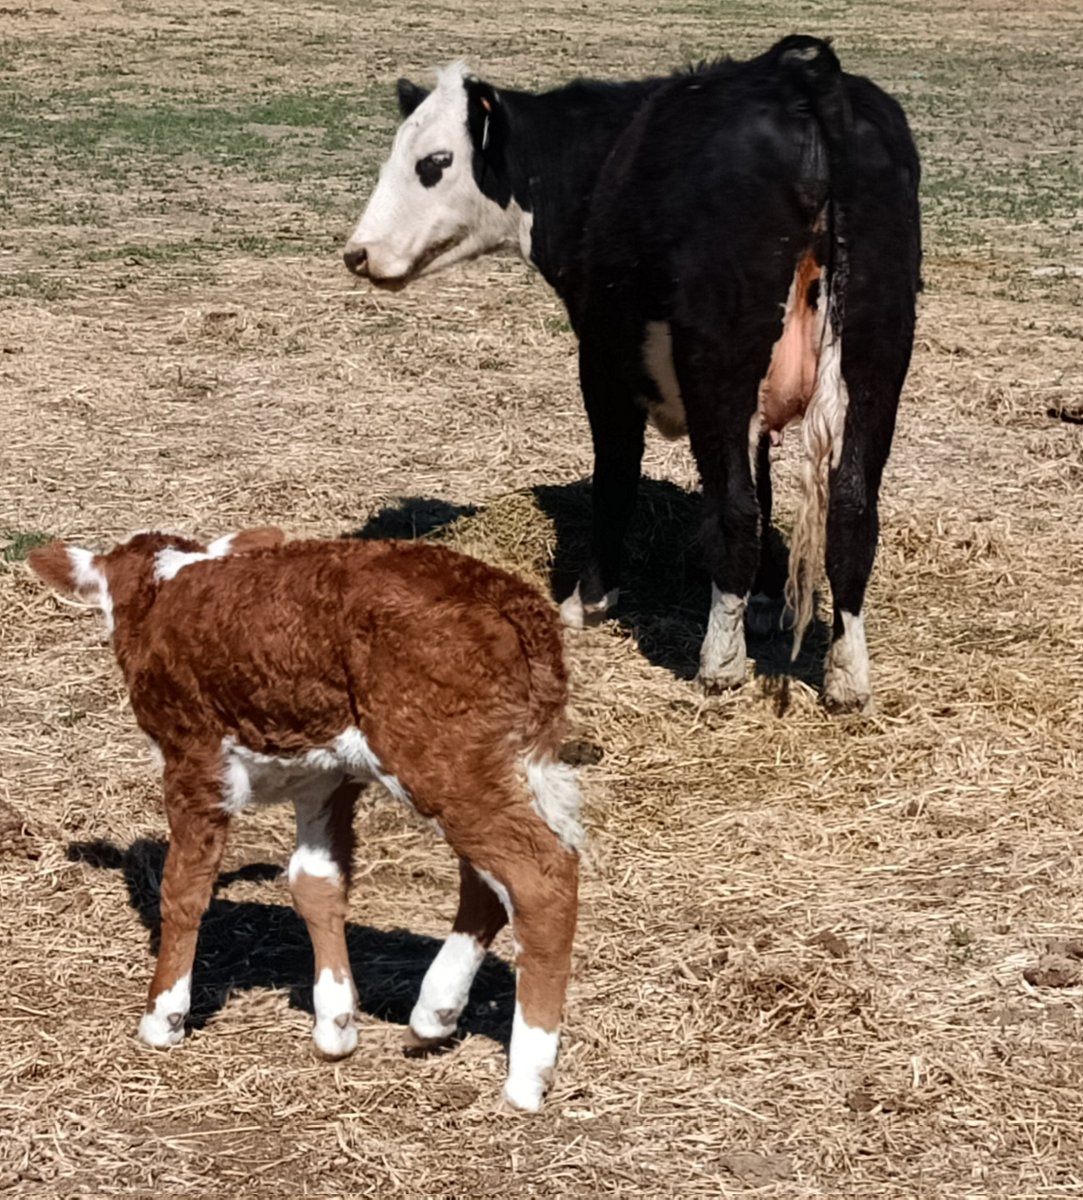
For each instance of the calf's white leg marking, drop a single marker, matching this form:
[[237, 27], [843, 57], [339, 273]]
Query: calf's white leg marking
[[531, 1059], [335, 1032], [163, 1026], [333, 995], [575, 614], [722, 655], [847, 680], [446, 987]]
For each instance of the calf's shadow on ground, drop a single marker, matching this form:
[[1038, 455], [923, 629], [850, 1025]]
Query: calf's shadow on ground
[[666, 592], [245, 944]]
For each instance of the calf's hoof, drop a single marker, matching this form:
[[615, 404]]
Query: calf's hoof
[[162, 1031], [576, 614], [526, 1093], [335, 1038]]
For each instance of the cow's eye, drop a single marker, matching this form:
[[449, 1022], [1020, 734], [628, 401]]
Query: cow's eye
[[430, 168]]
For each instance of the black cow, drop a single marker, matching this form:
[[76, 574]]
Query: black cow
[[737, 246]]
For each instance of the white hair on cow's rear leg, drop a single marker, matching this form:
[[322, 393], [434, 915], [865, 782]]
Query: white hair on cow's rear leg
[[722, 659], [575, 614], [847, 679], [822, 435]]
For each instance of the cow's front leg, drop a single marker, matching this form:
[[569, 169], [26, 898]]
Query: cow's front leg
[[617, 427], [731, 548]]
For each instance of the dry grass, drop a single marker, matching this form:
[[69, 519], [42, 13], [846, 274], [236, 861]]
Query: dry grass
[[816, 956]]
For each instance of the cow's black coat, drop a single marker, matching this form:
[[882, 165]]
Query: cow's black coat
[[690, 199]]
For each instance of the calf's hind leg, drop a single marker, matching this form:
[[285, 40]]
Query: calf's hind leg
[[319, 875], [446, 986], [536, 875], [198, 827]]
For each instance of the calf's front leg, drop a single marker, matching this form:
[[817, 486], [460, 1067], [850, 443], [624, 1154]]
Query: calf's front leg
[[198, 826], [446, 986], [319, 874]]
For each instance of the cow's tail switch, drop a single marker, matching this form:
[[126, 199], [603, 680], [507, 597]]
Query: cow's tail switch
[[814, 70]]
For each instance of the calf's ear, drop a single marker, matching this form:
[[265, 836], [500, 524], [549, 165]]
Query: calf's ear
[[247, 541], [69, 569], [410, 96]]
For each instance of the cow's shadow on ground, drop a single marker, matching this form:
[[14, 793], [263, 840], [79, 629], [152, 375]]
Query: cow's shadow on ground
[[666, 592], [245, 944]]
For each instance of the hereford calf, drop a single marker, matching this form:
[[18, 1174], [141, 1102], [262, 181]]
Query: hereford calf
[[264, 671]]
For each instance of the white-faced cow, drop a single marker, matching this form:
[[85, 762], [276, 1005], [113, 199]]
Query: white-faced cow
[[264, 672], [738, 247]]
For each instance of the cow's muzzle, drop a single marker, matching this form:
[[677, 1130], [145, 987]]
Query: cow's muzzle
[[357, 261]]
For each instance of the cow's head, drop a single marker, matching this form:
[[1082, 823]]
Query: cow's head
[[435, 203], [144, 561]]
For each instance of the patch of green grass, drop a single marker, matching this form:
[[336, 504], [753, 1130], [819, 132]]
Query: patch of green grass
[[16, 544], [119, 139], [30, 285]]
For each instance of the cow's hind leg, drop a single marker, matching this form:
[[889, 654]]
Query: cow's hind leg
[[198, 826], [319, 875], [446, 986], [617, 426], [853, 524]]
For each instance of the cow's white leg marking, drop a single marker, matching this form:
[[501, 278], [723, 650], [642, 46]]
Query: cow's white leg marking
[[446, 987], [722, 655], [163, 1026], [531, 1059], [847, 680], [575, 614], [333, 999]]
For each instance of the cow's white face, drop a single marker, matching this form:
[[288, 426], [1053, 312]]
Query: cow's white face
[[428, 211]]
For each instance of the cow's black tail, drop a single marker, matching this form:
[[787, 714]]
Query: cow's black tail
[[812, 76]]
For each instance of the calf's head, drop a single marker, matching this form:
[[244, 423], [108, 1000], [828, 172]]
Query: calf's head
[[134, 567], [440, 198]]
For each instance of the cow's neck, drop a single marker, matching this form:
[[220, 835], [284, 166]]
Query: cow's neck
[[558, 142]]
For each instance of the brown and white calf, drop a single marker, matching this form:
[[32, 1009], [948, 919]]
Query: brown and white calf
[[264, 671]]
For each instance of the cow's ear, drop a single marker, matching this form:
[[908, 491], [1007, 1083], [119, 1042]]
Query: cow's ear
[[484, 115], [410, 96]]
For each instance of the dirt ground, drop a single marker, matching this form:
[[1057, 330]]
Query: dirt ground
[[816, 956]]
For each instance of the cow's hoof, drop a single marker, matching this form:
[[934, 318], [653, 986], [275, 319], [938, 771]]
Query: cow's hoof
[[724, 679], [849, 703], [575, 614]]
